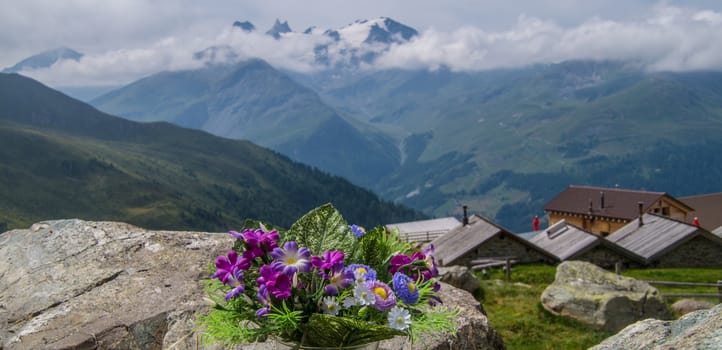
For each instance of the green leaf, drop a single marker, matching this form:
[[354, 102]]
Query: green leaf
[[322, 229], [332, 331], [373, 250]]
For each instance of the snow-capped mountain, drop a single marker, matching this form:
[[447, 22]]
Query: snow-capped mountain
[[359, 42], [45, 59], [381, 30]]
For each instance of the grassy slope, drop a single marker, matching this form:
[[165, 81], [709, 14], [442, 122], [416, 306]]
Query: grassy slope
[[60, 158], [515, 311]]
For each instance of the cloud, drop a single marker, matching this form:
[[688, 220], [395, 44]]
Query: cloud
[[672, 38], [117, 67], [668, 38]]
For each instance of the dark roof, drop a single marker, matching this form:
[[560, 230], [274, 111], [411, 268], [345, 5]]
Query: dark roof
[[718, 232], [567, 241], [657, 236], [564, 240], [463, 239], [707, 208], [618, 203]]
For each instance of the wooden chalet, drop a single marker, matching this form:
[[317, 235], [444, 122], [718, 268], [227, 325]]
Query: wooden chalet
[[707, 209], [480, 239], [665, 242], [568, 242], [424, 230], [605, 210]]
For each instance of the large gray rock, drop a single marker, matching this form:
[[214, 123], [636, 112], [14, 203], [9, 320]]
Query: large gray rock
[[72, 284], [700, 330], [604, 299], [460, 277], [685, 306]]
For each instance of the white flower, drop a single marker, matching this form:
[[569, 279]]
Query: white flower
[[363, 295], [399, 318], [359, 276], [349, 302], [329, 306]]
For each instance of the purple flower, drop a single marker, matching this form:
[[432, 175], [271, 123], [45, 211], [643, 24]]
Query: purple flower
[[262, 296], [257, 242], [358, 231], [405, 288], [398, 262], [276, 283], [235, 234], [340, 278], [235, 280], [420, 263], [225, 265], [291, 259], [331, 260], [385, 298], [229, 272], [362, 272]]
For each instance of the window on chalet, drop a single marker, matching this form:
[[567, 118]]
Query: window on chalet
[[665, 211]]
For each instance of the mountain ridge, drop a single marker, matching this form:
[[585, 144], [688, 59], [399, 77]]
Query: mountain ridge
[[63, 158], [251, 100]]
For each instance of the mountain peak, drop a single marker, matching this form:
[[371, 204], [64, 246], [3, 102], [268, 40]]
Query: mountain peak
[[246, 26], [278, 29], [380, 30], [45, 59]]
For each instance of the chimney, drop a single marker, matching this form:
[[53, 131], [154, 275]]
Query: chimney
[[602, 199], [466, 217], [640, 205]]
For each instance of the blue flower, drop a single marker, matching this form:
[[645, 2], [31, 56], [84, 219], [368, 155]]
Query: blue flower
[[405, 288], [358, 230]]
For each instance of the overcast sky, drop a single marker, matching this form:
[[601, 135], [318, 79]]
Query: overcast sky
[[127, 39]]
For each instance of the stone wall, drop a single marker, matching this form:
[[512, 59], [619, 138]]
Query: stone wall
[[605, 257], [502, 245], [697, 252]]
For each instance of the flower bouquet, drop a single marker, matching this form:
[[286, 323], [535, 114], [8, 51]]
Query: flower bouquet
[[323, 283]]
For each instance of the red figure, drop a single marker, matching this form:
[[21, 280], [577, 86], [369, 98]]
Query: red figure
[[536, 223], [695, 222]]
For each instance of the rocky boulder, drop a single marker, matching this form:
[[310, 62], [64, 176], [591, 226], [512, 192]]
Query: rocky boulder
[[701, 330], [685, 306], [604, 299], [72, 284], [460, 277]]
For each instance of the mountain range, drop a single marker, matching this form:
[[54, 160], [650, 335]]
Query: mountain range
[[61, 158], [45, 59], [501, 141], [253, 101]]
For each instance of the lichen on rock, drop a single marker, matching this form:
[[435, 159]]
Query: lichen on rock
[[601, 298]]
